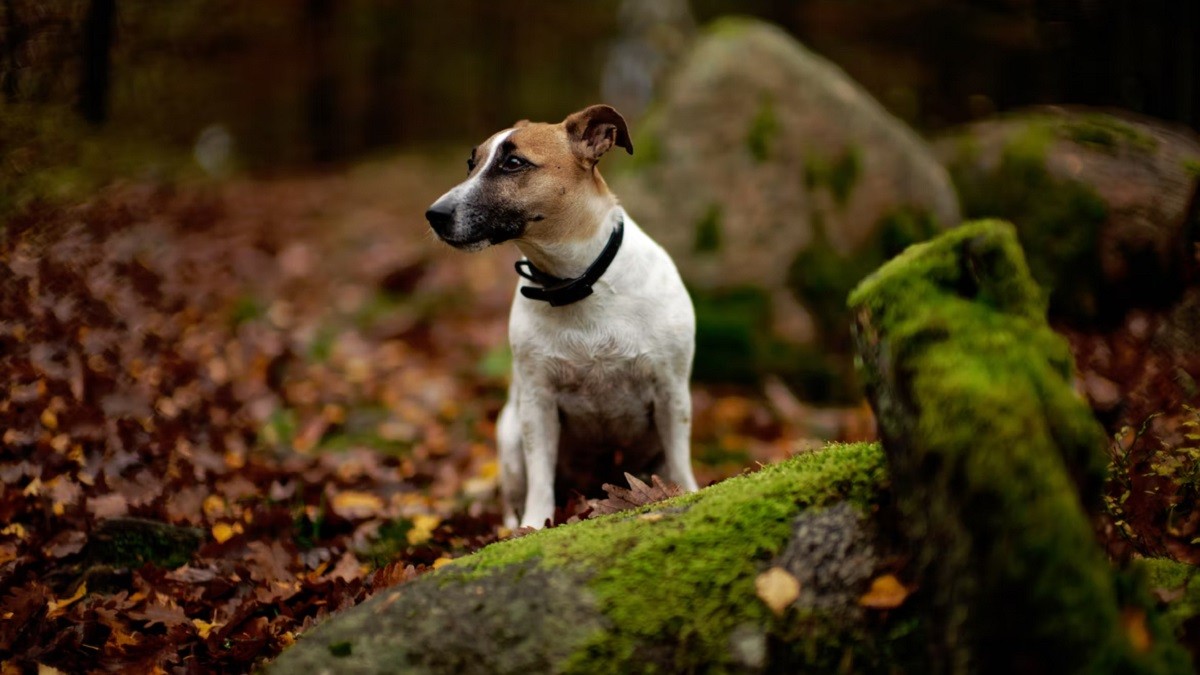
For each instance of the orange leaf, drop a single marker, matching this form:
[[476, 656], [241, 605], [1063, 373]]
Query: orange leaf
[[886, 593], [1133, 621], [777, 588]]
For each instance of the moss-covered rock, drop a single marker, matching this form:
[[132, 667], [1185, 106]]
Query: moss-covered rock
[[995, 463], [667, 588], [133, 542], [1098, 202], [762, 166]]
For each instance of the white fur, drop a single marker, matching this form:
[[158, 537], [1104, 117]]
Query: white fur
[[587, 375]]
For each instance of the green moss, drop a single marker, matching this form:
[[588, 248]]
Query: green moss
[[246, 308], [690, 550], [992, 454], [764, 128], [708, 231], [1181, 583], [1058, 220], [731, 26], [133, 542], [839, 175], [1191, 167], [1104, 133]]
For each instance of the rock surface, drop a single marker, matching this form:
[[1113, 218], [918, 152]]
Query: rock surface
[[1099, 202], [776, 183]]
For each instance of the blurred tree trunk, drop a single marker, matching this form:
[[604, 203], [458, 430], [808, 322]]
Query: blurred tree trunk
[[97, 58], [386, 116], [322, 87], [15, 34]]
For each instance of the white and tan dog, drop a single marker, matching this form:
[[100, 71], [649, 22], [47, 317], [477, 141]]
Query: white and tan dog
[[602, 331]]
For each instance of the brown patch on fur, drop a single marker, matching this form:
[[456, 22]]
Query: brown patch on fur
[[595, 130], [563, 191]]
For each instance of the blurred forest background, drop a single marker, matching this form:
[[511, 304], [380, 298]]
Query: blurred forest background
[[274, 84]]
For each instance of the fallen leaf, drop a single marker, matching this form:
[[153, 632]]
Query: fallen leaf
[[355, 505], [203, 628], [223, 532], [422, 529], [886, 592], [637, 494], [777, 588], [442, 562], [58, 607], [1133, 621]]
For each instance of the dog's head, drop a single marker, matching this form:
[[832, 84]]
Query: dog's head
[[534, 181]]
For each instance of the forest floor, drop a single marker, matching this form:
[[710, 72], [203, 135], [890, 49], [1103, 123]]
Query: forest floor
[[297, 378]]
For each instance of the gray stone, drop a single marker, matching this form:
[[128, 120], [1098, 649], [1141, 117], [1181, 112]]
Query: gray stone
[[757, 152]]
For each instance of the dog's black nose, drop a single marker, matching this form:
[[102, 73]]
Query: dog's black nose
[[440, 217]]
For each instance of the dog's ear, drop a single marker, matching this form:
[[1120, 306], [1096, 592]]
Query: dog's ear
[[594, 130], [521, 123]]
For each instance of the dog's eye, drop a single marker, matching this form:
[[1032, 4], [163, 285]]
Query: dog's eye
[[514, 163]]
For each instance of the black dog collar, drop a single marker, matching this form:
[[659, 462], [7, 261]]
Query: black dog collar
[[559, 292]]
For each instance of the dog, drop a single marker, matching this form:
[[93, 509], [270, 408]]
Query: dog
[[602, 329]]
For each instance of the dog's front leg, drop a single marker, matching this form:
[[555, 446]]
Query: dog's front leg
[[673, 419], [539, 438]]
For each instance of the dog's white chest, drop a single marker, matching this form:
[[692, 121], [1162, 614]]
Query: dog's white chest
[[602, 382]]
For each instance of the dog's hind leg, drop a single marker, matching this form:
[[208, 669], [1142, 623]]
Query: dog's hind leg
[[512, 463]]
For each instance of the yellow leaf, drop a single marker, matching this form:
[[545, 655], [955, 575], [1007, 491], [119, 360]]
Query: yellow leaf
[[213, 506], [49, 419], [34, 488], [203, 628], [886, 593], [352, 504], [422, 529], [442, 562], [57, 607], [777, 588], [16, 529], [222, 532]]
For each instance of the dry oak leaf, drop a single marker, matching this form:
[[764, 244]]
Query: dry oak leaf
[[637, 494], [777, 588], [886, 592]]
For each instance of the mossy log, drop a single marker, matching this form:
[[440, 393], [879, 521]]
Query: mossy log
[[990, 464], [667, 588], [996, 463]]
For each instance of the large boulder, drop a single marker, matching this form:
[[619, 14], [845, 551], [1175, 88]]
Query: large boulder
[[1099, 202], [988, 464], [776, 183]]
